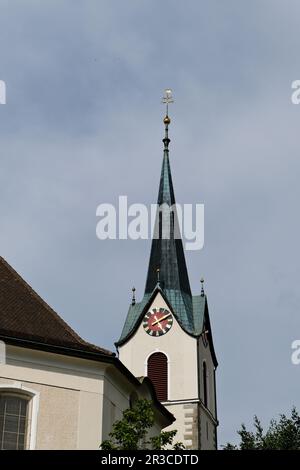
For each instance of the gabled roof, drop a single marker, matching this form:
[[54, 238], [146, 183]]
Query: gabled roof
[[24, 315], [201, 320], [175, 303]]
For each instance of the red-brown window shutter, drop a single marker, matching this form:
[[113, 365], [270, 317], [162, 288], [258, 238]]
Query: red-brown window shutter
[[157, 371]]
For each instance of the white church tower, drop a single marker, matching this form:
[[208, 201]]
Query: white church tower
[[167, 336]]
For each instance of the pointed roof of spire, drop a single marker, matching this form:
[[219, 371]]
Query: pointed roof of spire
[[167, 253]]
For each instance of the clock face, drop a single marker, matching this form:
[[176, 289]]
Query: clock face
[[158, 321]]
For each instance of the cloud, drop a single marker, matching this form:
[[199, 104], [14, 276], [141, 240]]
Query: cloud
[[82, 125]]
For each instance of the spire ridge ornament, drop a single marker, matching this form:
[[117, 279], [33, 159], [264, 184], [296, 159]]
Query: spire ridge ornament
[[202, 288], [133, 296], [167, 99], [158, 278]]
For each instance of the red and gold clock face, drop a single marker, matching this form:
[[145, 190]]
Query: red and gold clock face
[[158, 321]]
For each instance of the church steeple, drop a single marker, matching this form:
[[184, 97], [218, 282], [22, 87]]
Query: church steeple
[[167, 334], [167, 271], [167, 253]]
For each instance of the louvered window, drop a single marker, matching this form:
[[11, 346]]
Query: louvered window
[[157, 371]]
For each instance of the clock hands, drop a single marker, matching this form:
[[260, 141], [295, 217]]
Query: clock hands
[[157, 321], [161, 319]]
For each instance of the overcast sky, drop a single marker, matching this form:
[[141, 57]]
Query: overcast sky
[[83, 125]]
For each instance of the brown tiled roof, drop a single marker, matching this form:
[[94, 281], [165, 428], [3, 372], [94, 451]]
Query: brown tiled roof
[[25, 316]]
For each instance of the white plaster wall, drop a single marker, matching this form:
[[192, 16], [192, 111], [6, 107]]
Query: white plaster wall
[[205, 355], [208, 430], [70, 396], [79, 400], [207, 419], [116, 398], [180, 348]]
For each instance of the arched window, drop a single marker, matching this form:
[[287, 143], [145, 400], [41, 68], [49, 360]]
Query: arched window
[[13, 421], [157, 371], [205, 390]]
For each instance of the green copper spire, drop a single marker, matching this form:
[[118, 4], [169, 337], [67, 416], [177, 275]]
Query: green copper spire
[[167, 253]]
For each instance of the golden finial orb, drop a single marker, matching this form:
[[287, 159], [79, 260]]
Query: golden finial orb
[[167, 120]]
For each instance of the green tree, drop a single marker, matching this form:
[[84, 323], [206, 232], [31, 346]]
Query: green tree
[[130, 432], [283, 434]]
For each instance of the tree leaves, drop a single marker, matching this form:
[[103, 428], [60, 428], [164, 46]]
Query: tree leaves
[[281, 435], [130, 433]]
